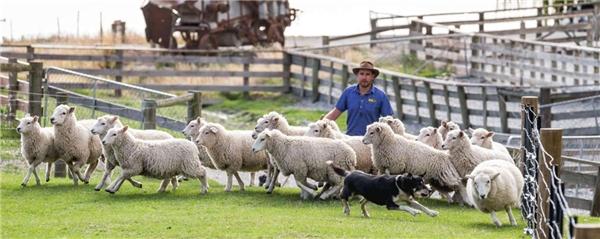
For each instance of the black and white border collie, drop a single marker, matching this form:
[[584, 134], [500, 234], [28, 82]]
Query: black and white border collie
[[384, 190]]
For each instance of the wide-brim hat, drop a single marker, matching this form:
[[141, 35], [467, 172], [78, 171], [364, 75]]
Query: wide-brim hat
[[366, 65]]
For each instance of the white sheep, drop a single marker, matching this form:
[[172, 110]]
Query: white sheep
[[75, 144], [431, 136], [231, 151], [274, 120], [397, 126], [496, 185], [484, 138], [101, 127], [394, 154], [162, 159], [446, 127], [37, 146], [306, 157], [466, 156], [329, 129]]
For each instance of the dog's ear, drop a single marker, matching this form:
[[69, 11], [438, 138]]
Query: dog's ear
[[409, 175], [422, 175]]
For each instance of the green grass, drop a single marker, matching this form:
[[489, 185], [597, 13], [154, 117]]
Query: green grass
[[58, 209]]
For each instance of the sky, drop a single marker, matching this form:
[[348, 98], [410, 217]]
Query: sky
[[317, 17]]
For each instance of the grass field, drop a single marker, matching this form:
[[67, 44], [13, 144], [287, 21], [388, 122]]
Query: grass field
[[58, 209]]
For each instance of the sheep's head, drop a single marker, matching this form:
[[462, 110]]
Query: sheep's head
[[61, 114], [192, 129], [481, 137], [28, 124], [482, 183], [261, 141], [261, 124], [446, 127], [396, 124], [103, 124], [209, 134], [113, 134], [430, 136], [318, 129], [375, 131], [455, 139]]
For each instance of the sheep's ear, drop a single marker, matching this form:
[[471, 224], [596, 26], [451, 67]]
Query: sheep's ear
[[471, 130], [494, 176], [199, 120], [124, 129], [268, 134], [324, 125], [71, 109], [276, 119], [445, 124], [115, 118], [470, 176], [378, 129], [27, 115], [214, 129], [36, 118], [489, 134], [435, 130], [461, 134]]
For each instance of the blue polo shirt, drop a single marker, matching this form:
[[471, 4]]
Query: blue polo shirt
[[363, 109]]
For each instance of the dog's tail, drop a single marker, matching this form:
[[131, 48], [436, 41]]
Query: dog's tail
[[338, 170]]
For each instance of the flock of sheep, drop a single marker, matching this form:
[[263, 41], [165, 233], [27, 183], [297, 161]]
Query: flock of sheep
[[479, 171]]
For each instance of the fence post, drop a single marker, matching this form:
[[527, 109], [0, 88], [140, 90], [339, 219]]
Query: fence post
[[287, 66], [414, 30], [324, 43], [596, 201], [13, 88], [148, 114], [545, 113], [36, 74], [373, 32], [430, 104], [397, 96], [540, 12], [60, 168], [551, 139], [475, 65], [315, 79], [246, 93], [586, 231], [481, 19], [30, 53], [119, 67], [194, 106], [345, 76], [464, 110]]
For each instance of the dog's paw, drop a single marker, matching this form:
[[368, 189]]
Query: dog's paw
[[434, 213]]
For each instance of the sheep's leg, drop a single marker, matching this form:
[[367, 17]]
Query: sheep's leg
[[330, 192], [89, 170], [463, 193], [363, 207], [285, 181], [174, 183], [252, 177], [203, 184], [273, 180], [229, 182], [511, 218], [77, 171], [35, 174], [326, 187], [413, 203], [72, 173], [28, 175], [116, 185], [163, 185], [48, 169], [105, 177], [239, 180], [346, 207], [306, 189], [133, 182], [495, 219]]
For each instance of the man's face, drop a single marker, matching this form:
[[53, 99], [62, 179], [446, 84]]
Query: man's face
[[365, 78]]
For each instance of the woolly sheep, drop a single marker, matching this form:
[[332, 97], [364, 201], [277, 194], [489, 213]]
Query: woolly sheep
[[231, 151], [397, 126], [482, 137], [446, 127], [329, 129], [274, 120], [431, 136], [306, 157], [466, 156], [75, 144], [101, 127], [162, 159], [495, 185], [394, 154], [37, 146]]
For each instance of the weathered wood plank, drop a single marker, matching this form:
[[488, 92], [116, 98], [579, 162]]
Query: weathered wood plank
[[174, 73]]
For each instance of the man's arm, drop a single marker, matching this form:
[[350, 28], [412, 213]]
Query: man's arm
[[333, 114]]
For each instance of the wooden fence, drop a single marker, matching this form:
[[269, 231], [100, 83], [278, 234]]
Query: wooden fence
[[427, 101]]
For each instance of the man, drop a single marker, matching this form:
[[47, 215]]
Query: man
[[365, 103]]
